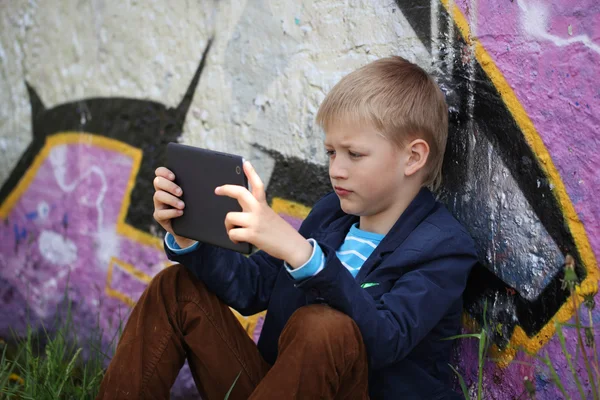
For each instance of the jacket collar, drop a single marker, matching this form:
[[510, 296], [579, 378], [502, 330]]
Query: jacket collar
[[418, 209]]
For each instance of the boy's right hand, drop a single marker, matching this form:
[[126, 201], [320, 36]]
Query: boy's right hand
[[167, 204]]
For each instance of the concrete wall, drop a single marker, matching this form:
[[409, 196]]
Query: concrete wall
[[91, 92]]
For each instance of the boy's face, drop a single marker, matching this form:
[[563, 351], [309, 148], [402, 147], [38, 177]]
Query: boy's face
[[366, 169]]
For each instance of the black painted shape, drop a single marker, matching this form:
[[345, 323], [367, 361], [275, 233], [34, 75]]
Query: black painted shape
[[418, 14], [506, 307], [523, 163], [296, 179], [146, 125]]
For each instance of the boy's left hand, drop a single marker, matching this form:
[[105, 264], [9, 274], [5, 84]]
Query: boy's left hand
[[259, 225]]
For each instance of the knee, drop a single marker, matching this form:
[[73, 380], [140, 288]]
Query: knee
[[176, 282], [174, 279], [168, 276], [319, 322]]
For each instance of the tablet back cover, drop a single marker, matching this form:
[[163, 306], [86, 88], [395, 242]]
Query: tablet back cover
[[198, 172]]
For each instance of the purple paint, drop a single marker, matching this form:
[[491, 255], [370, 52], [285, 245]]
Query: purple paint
[[259, 325], [63, 230], [84, 185], [552, 79], [507, 383], [293, 221]]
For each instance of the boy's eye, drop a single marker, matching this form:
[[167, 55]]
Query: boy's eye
[[330, 153], [354, 155]]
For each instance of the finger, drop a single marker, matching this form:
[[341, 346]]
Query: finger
[[163, 200], [165, 173], [161, 183], [238, 235], [240, 193], [237, 219], [258, 188], [167, 214]]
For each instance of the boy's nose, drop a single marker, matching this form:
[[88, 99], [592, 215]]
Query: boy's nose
[[337, 171]]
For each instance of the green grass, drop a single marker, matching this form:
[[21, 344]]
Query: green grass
[[481, 356], [49, 365]]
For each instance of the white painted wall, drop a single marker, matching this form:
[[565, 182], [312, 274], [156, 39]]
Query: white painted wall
[[271, 64]]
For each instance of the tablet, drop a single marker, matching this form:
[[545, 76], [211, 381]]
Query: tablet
[[198, 172]]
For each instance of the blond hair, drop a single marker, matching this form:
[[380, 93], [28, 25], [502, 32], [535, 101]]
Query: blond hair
[[401, 100]]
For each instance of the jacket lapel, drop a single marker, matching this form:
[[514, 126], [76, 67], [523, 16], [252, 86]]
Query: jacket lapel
[[415, 213], [335, 236]]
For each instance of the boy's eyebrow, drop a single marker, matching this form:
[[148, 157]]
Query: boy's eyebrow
[[343, 145]]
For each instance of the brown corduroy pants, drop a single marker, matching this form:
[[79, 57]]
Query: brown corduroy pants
[[321, 352]]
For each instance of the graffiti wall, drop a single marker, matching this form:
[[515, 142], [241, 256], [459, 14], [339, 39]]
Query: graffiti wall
[[92, 93]]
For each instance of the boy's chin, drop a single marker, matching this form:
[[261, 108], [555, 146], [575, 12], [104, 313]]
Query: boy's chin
[[348, 208]]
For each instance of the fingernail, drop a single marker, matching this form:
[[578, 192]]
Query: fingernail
[[180, 204], [178, 191], [179, 212], [171, 176]]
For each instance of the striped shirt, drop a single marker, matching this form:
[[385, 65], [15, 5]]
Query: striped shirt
[[353, 253]]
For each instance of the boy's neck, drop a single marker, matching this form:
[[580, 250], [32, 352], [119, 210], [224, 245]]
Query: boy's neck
[[383, 222]]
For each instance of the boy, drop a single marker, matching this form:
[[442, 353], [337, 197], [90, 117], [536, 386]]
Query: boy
[[358, 300]]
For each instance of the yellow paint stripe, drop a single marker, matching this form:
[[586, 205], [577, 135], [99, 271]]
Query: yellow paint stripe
[[137, 235], [96, 141], [119, 296], [131, 270], [16, 378], [291, 208], [519, 338], [249, 323]]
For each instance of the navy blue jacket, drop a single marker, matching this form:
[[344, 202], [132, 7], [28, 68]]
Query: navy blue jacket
[[420, 267]]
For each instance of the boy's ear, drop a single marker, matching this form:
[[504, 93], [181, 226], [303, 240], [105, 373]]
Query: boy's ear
[[418, 152]]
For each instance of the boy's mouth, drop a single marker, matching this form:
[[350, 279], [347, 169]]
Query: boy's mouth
[[340, 191]]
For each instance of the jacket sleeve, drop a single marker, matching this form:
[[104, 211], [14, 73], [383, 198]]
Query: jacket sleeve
[[243, 283], [392, 326]]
